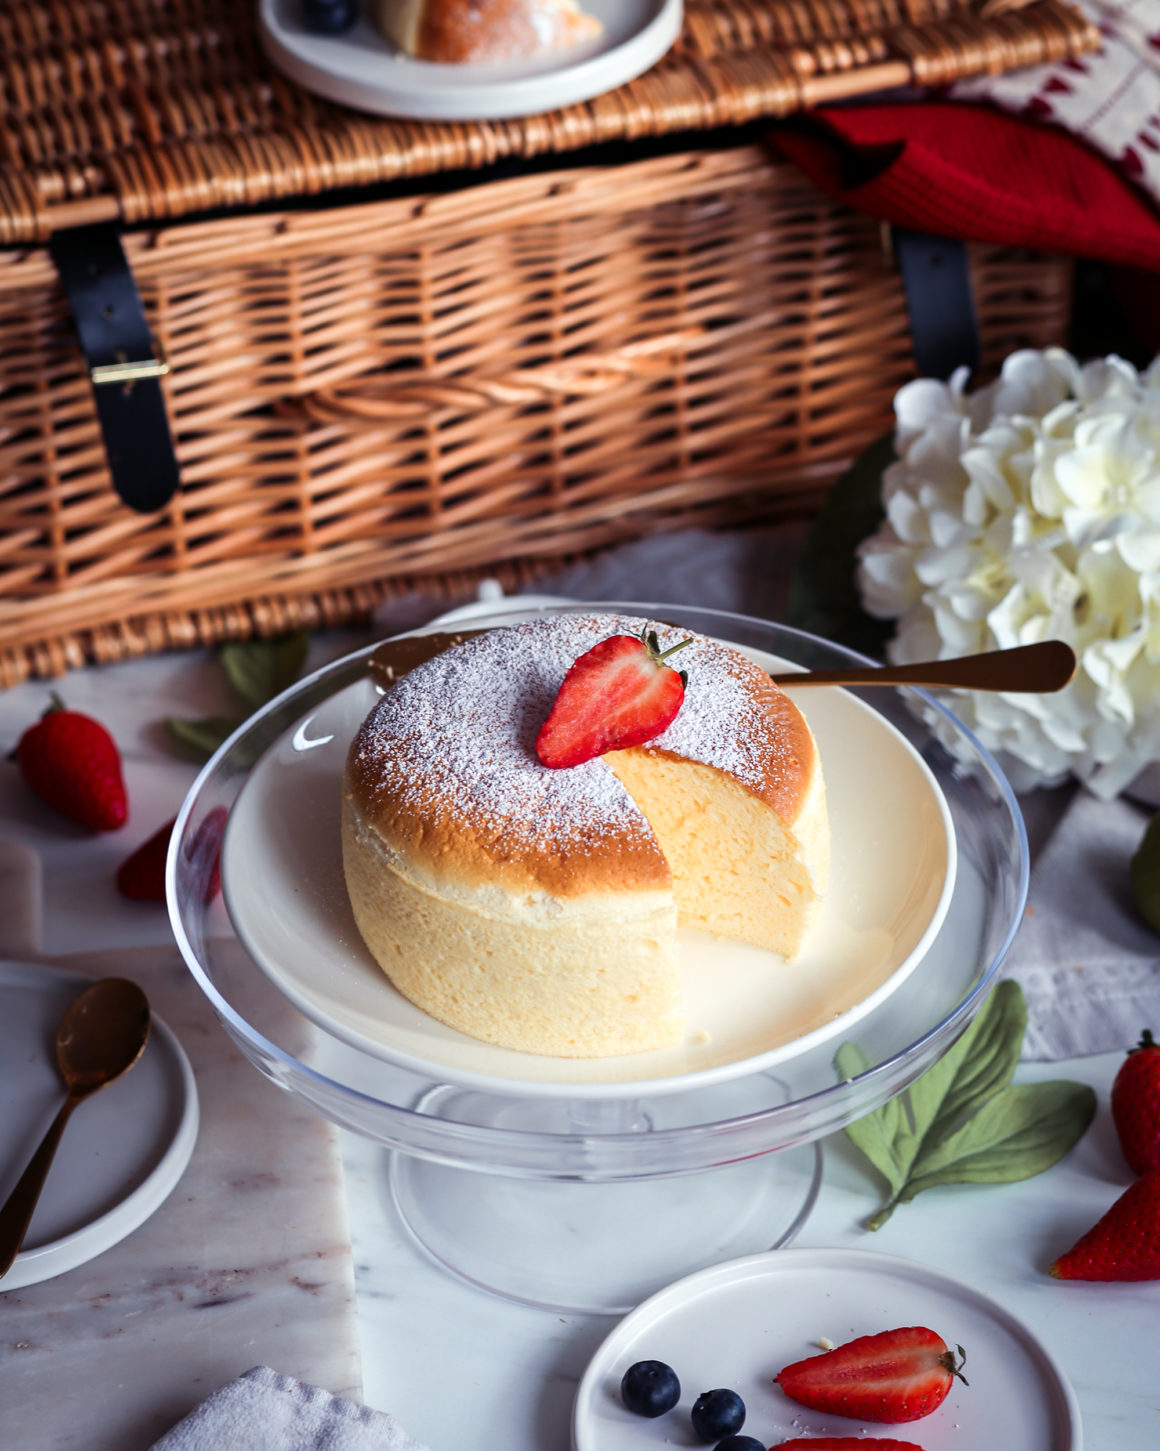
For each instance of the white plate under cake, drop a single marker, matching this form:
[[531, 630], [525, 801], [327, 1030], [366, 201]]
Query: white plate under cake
[[892, 874]]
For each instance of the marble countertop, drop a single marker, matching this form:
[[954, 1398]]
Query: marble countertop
[[459, 1367]]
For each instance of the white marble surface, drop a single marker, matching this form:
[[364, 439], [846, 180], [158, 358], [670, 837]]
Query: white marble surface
[[247, 1261], [459, 1367]]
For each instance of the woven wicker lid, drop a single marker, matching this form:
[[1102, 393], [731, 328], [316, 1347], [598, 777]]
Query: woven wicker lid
[[146, 110]]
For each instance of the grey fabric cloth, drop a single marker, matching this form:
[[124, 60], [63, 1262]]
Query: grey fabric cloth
[[265, 1411], [1088, 963]]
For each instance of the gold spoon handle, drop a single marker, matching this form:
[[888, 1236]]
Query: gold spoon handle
[[16, 1215], [1027, 669]]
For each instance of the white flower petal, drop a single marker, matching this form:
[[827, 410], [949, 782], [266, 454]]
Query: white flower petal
[[1140, 552], [1030, 510]]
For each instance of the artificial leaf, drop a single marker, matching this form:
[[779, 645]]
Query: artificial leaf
[[882, 1135], [823, 594], [200, 738], [1017, 1134], [261, 669], [961, 1121], [979, 1064]]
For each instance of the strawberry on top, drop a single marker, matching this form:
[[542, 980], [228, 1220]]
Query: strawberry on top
[[618, 694]]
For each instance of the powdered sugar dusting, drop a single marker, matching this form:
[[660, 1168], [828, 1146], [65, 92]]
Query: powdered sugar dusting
[[457, 734], [733, 717]]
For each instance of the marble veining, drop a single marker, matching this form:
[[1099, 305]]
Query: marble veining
[[246, 1263]]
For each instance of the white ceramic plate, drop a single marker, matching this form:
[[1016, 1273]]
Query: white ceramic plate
[[737, 1324], [122, 1152], [362, 69], [892, 874]]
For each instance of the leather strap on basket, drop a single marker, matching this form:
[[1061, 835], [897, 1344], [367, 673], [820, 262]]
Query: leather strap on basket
[[937, 281], [124, 366]]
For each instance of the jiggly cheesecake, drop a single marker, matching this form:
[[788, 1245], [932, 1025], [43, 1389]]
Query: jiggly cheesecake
[[537, 909]]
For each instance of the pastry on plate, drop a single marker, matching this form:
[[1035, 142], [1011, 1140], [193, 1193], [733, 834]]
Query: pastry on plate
[[461, 31], [537, 908]]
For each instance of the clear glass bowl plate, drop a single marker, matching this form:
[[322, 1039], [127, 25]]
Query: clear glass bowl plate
[[554, 1142]]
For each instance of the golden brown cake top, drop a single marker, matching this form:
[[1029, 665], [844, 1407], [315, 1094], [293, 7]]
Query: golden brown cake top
[[445, 766]]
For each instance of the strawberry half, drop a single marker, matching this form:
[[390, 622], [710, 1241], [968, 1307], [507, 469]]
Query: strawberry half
[[1136, 1105], [844, 1443], [618, 694], [1124, 1244], [895, 1376], [142, 875], [71, 761]]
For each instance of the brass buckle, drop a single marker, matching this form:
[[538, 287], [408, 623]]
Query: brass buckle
[[125, 371]]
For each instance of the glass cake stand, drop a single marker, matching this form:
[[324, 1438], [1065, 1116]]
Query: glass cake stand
[[584, 1193]]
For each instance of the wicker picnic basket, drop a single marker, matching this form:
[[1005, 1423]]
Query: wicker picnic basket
[[454, 375]]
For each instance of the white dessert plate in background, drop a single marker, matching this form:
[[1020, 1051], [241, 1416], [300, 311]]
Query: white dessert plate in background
[[891, 879], [363, 69], [124, 1149], [737, 1324]]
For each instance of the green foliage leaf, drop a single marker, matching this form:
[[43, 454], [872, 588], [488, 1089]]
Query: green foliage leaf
[[882, 1135], [258, 670], [962, 1121], [823, 595], [261, 669], [1015, 1135], [199, 738], [979, 1064]]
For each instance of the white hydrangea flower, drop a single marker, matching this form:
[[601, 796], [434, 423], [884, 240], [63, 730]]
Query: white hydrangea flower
[[1026, 511]]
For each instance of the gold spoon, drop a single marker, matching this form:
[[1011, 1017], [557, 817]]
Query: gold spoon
[[101, 1035], [1027, 669]]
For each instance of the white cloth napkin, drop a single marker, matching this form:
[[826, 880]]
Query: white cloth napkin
[[265, 1411]]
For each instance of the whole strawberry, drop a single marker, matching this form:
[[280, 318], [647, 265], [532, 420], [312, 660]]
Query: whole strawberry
[[1136, 1105], [1124, 1244], [71, 761], [895, 1376]]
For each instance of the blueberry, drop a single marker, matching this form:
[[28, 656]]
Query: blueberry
[[329, 17], [739, 1443], [717, 1414], [650, 1388]]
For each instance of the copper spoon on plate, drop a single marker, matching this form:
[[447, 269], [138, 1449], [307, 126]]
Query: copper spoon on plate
[[1027, 669], [101, 1035]]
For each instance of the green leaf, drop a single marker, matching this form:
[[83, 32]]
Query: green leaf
[[881, 1135], [1015, 1135], [823, 593], [962, 1121], [261, 669], [200, 738], [976, 1067]]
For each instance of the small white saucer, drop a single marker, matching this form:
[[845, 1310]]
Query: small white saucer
[[362, 69], [122, 1152], [737, 1324]]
